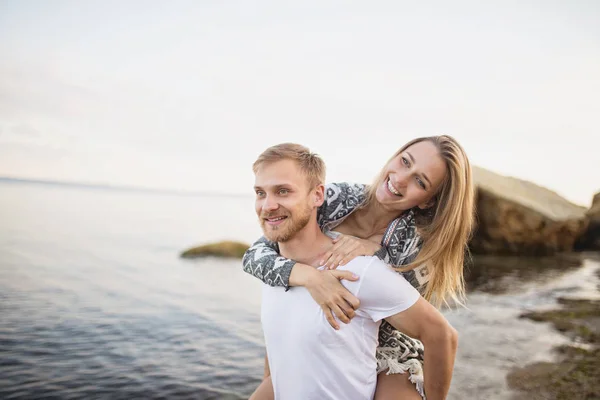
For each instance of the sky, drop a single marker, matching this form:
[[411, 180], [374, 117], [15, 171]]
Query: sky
[[184, 95]]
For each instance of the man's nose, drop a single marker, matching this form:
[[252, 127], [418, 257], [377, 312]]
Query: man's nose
[[270, 204]]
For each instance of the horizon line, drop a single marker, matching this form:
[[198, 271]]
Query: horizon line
[[122, 188]]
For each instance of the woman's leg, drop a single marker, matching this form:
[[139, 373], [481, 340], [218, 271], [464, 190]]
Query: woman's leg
[[395, 387], [264, 391]]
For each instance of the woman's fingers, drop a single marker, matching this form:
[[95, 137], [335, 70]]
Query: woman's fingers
[[348, 275], [337, 310], [351, 253], [352, 300], [327, 256], [326, 259], [333, 298], [329, 317], [346, 308], [334, 252], [338, 257], [356, 252]]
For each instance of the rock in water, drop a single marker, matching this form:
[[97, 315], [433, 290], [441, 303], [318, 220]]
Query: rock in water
[[590, 238], [226, 249], [521, 218]]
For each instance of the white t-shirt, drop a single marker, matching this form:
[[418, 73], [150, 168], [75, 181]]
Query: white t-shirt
[[309, 359]]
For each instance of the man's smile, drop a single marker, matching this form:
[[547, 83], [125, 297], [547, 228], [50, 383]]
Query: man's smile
[[274, 221]]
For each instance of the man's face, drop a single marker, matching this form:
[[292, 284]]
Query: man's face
[[284, 200]]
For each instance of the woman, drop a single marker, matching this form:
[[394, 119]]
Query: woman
[[417, 216]]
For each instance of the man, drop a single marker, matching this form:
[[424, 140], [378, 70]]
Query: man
[[306, 358]]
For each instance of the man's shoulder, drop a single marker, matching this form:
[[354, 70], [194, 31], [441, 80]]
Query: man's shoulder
[[380, 288], [360, 263], [368, 261], [373, 272]]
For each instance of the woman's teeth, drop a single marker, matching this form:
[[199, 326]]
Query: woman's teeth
[[392, 189]]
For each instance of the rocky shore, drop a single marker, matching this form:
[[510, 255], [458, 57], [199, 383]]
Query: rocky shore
[[516, 217], [576, 372]]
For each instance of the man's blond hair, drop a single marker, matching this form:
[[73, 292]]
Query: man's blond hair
[[311, 164]]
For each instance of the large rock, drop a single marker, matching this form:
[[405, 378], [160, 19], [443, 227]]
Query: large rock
[[225, 249], [519, 217], [590, 238]]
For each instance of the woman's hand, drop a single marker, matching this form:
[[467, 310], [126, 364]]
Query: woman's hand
[[346, 248], [326, 289]]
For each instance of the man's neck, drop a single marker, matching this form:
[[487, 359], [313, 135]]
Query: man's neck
[[307, 246]]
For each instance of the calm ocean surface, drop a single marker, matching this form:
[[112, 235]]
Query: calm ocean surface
[[95, 302]]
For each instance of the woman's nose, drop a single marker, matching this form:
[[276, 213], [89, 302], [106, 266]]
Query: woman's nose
[[400, 180]]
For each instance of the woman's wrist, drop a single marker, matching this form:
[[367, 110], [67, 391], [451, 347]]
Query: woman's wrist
[[302, 275]]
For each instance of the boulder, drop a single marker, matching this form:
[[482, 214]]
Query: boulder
[[225, 249], [590, 237], [521, 218]]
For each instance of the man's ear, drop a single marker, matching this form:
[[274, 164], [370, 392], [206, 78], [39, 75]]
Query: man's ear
[[319, 195]]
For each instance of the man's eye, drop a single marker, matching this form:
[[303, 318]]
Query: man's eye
[[260, 194], [283, 191]]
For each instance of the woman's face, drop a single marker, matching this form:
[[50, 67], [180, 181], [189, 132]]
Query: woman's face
[[412, 178]]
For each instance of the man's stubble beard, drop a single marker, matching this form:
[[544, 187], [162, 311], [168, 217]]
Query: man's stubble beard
[[294, 225]]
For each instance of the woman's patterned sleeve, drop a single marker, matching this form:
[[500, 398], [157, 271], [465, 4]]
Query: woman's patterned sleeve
[[340, 200], [263, 260], [402, 244]]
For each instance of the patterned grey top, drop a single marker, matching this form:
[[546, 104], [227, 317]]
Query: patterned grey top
[[401, 242]]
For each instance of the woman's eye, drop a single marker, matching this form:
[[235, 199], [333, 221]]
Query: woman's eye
[[405, 161], [421, 183]]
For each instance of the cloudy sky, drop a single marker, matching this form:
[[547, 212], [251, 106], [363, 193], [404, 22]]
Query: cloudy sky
[[186, 94]]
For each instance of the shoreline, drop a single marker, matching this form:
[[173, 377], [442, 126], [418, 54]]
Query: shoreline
[[575, 371]]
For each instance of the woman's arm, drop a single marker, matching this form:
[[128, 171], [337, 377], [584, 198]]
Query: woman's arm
[[401, 245], [263, 260], [323, 286]]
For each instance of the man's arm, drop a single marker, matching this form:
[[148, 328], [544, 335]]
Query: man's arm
[[386, 294], [423, 321], [264, 391], [267, 370]]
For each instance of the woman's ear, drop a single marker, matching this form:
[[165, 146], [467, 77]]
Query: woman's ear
[[428, 204]]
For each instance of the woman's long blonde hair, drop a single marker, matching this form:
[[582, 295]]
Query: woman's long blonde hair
[[446, 227]]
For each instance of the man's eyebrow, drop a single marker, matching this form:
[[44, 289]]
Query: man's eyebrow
[[277, 186]]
